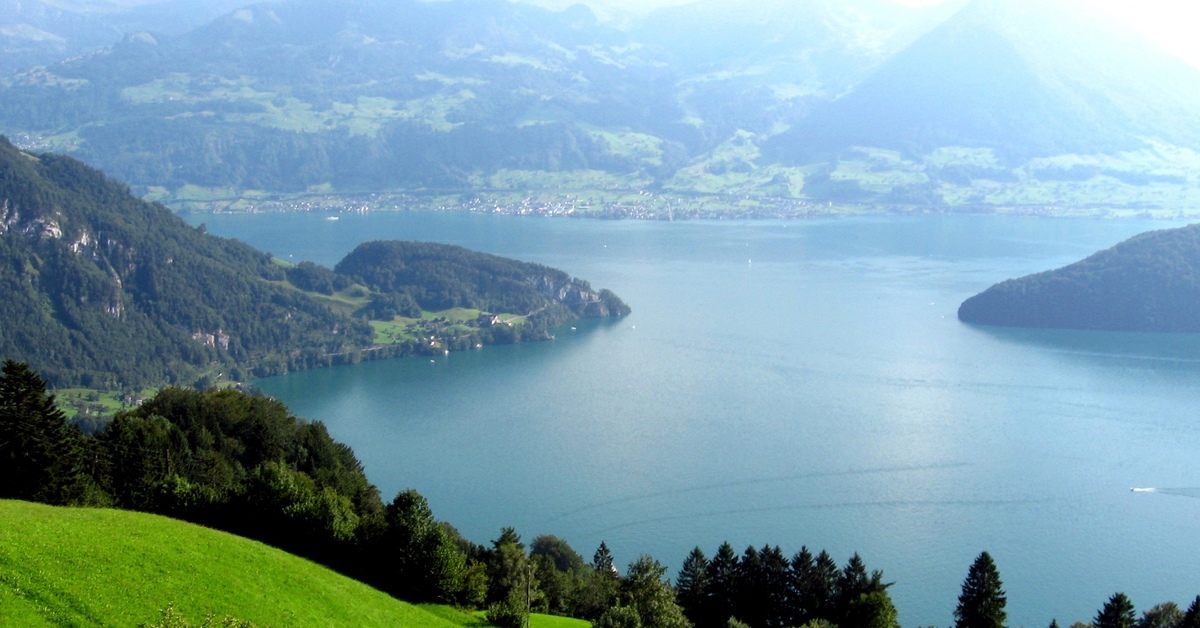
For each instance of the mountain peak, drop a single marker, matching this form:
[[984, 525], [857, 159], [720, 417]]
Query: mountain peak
[[1022, 77]]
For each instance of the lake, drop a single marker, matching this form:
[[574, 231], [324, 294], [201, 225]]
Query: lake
[[792, 383]]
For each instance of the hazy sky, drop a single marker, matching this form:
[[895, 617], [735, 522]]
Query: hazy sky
[[1171, 24]]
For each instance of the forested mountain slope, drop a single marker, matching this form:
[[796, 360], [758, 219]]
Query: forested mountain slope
[[105, 290], [1150, 282]]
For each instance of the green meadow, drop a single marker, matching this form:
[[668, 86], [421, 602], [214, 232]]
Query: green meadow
[[98, 567]]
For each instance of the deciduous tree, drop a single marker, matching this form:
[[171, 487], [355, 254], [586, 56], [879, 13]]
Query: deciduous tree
[[644, 588]]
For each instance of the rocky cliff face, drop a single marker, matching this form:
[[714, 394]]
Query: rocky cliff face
[[580, 298]]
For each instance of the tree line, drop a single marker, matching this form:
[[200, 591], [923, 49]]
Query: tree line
[[243, 463]]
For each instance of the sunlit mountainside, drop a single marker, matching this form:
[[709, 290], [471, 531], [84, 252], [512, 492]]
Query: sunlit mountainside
[[776, 108]]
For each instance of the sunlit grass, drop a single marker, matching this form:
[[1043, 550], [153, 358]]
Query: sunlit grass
[[93, 567]]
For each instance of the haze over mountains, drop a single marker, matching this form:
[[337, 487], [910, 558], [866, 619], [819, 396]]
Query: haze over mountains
[[988, 104]]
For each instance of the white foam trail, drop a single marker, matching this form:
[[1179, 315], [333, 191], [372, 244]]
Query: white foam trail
[[1144, 490]]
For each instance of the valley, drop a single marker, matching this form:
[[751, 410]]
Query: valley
[[863, 107], [361, 209]]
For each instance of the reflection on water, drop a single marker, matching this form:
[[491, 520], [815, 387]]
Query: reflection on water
[[1161, 349]]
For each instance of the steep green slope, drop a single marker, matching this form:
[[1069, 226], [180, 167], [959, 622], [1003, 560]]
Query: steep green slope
[[89, 567], [107, 291], [1150, 282]]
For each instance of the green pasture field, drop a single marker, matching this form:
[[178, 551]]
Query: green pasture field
[[97, 567]]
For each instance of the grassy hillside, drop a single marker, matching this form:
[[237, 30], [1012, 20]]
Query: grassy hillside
[[95, 567], [89, 567]]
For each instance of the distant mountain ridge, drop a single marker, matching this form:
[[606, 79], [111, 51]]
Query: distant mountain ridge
[[993, 105], [36, 32], [985, 78], [1150, 282]]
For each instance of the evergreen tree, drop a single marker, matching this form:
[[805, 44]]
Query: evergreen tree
[[598, 591], [722, 583], [602, 560], [1191, 618], [749, 605], [774, 585], [1118, 612], [692, 585], [981, 604], [825, 579], [40, 454], [801, 575]]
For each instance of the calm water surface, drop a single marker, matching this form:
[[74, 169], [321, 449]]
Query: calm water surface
[[793, 383]]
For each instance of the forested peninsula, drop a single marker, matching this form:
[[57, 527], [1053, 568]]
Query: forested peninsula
[[1148, 283], [106, 291]]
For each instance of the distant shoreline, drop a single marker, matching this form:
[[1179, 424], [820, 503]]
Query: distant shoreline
[[625, 205]]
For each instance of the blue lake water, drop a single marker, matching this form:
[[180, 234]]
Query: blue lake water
[[792, 383]]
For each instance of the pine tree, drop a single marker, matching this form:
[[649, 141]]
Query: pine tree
[[825, 578], [692, 585], [40, 454], [775, 586], [853, 582], [598, 592], [748, 602], [801, 577], [1117, 613], [602, 560], [722, 584], [1191, 618], [981, 604]]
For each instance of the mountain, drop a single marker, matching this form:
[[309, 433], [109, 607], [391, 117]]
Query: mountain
[[36, 32], [1150, 282], [716, 107], [367, 95], [108, 291], [756, 66], [1025, 78]]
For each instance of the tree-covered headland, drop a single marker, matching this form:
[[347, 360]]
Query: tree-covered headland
[[1150, 282], [105, 291]]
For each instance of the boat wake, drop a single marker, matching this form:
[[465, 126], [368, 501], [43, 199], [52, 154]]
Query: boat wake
[[1194, 493]]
